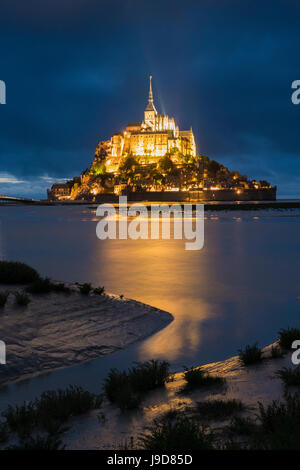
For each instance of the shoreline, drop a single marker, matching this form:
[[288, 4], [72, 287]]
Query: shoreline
[[208, 205], [58, 330]]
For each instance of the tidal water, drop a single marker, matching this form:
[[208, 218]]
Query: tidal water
[[242, 287]]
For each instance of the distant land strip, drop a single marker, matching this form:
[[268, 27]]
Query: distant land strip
[[213, 206]]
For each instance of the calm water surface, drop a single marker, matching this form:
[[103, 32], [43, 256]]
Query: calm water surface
[[240, 288]]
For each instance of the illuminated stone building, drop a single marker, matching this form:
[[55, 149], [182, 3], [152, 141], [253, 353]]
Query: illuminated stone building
[[148, 140]]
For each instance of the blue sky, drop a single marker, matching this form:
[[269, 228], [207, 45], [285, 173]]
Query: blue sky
[[77, 71]]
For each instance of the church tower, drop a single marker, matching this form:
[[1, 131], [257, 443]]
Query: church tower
[[150, 111]]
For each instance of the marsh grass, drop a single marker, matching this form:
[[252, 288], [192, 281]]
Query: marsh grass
[[4, 432], [45, 285], [287, 336], [279, 424], [60, 405], [276, 426], [145, 376], [60, 287], [290, 376], [85, 288], [118, 390], [171, 414], [125, 389], [21, 298], [99, 290], [196, 377], [219, 409], [250, 355], [21, 419], [181, 433], [276, 352], [39, 443], [50, 411], [242, 426], [3, 298], [14, 272]]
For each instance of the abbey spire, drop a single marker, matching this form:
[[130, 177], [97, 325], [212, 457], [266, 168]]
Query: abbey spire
[[150, 111], [150, 90], [150, 105]]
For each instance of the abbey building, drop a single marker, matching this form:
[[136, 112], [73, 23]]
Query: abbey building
[[148, 140]]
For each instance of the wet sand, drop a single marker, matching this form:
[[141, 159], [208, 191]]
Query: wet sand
[[108, 428], [57, 330]]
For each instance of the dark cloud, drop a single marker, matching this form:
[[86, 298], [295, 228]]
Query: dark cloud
[[76, 72]]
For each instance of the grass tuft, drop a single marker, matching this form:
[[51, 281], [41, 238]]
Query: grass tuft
[[241, 426], [196, 377], [62, 404], [60, 287], [85, 288], [20, 419], [39, 443], [219, 409], [250, 355], [279, 424], [4, 432], [276, 352], [22, 299], [287, 336], [290, 376], [118, 390], [44, 286], [3, 298], [40, 286], [50, 411], [175, 435], [99, 290], [148, 375], [171, 414], [125, 388]]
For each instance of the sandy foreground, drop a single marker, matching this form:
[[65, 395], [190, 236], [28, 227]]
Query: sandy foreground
[[108, 428], [58, 330]]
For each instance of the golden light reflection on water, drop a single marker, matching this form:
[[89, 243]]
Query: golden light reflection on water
[[158, 272], [183, 334]]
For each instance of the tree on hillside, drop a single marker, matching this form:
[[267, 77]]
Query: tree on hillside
[[128, 165], [213, 168], [98, 168], [165, 165]]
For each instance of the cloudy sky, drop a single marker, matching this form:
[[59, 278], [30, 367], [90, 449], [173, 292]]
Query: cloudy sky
[[76, 71]]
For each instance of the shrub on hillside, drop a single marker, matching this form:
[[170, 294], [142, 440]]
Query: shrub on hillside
[[14, 272]]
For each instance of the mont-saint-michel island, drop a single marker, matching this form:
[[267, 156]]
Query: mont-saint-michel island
[[149, 231], [154, 160]]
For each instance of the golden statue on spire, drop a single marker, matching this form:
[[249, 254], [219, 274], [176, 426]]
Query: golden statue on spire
[[150, 90]]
